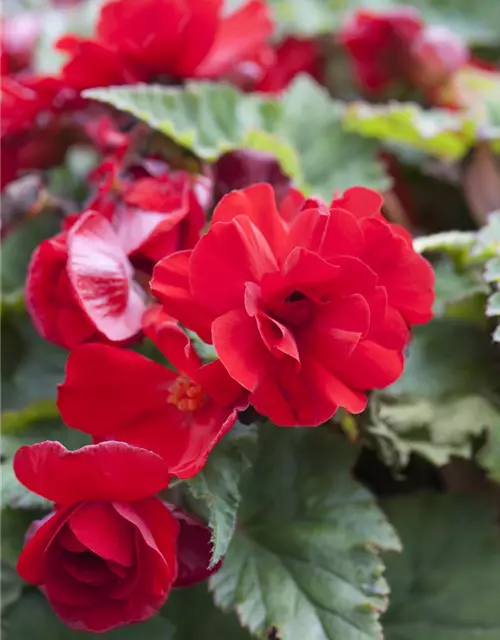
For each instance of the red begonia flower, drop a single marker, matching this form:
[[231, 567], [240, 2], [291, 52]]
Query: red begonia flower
[[194, 550], [309, 314], [396, 46], [144, 40], [80, 286], [116, 394], [106, 555], [379, 44]]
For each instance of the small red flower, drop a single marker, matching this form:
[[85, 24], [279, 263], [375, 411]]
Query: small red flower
[[379, 44], [144, 40], [117, 394], [307, 315], [106, 555], [80, 286]]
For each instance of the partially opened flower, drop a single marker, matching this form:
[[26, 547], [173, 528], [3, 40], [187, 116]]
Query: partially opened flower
[[116, 394], [147, 40], [80, 286], [106, 555], [306, 314]]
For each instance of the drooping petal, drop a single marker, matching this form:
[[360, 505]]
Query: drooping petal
[[94, 472], [372, 366], [101, 276]]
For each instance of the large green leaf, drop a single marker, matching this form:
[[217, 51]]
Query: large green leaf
[[306, 125], [439, 132], [32, 617], [304, 560], [209, 623], [445, 584], [218, 484], [476, 22]]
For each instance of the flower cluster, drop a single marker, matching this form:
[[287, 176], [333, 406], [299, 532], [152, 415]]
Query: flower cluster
[[302, 306]]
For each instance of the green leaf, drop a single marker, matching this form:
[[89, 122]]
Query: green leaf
[[447, 358], [31, 366], [437, 431], [15, 523], [12, 586], [15, 495], [305, 124], [32, 617], [215, 624], [218, 484], [488, 241], [439, 132], [304, 559], [18, 246], [459, 293], [445, 584], [454, 243], [475, 22]]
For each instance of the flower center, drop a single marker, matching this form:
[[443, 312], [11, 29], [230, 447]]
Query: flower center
[[186, 394], [295, 310]]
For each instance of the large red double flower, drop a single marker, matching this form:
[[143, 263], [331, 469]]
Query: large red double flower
[[144, 40], [114, 393], [307, 312]]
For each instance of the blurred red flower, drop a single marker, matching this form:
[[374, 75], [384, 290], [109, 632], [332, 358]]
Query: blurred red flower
[[148, 40]]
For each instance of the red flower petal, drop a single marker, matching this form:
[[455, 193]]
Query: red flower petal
[[107, 390], [98, 528], [224, 259], [258, 202], [238, 36], [171, 340], [32, 565], [94, 472], [49, 297], [170, 284], [101, 276], [360, 202], [198, 35]]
